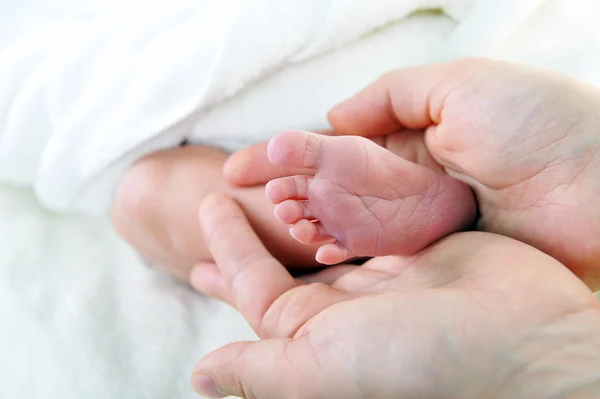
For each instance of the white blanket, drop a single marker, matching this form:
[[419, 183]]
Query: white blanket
[[87, 87]]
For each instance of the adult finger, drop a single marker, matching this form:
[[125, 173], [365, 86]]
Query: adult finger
[[251, 166], [271, 300], [404, 99], [206, 278], [288, 313], [253, 279], [276, 368]]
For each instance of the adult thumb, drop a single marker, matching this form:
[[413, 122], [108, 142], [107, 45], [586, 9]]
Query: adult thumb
[[250, 166], [273, 368]]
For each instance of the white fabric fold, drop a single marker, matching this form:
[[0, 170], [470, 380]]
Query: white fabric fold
[[88, 86], [85, 93]]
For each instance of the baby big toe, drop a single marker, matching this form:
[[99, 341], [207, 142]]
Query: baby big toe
[[296, 149]]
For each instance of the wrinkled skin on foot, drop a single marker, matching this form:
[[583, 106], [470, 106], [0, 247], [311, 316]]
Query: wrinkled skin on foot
[[527, 142], [365, 199]]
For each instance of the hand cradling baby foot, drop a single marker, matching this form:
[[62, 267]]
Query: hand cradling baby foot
[[526, 141], [362, 200]]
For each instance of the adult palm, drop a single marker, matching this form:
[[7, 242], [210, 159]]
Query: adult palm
[[475, 315]]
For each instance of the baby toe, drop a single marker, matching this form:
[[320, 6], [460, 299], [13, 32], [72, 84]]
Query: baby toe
[[307, 232], [291, 211], [285, 188], [333, 253]]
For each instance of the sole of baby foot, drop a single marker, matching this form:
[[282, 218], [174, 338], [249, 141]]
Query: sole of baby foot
[[360, 199]]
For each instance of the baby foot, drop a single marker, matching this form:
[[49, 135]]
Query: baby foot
[[362, 200]]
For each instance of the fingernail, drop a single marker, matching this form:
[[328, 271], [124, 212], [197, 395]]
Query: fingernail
[[205, 386]]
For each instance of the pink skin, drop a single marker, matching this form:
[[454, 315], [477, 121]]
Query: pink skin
[[450, 322], [362, 200]]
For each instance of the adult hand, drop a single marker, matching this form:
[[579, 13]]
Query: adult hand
[[473, 316], [526, 141]]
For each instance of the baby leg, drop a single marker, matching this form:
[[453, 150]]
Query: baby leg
[[362, 200], [155, 209]]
